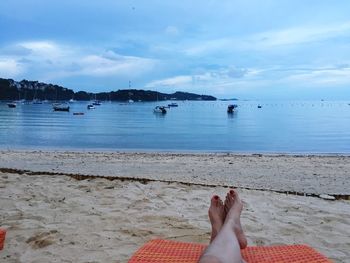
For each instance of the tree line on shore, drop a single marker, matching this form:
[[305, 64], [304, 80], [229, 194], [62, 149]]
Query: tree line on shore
[[34, 90]]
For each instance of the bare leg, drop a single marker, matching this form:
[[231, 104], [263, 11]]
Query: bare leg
[[225, 248], [231, 199], [216, 215]]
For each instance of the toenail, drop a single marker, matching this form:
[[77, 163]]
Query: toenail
[[232, 192], [216, 197]]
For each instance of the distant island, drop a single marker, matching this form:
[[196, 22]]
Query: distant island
[[34, 90], [228, 99]]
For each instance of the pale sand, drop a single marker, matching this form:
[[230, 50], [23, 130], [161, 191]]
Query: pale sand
[[304, 174], [55, 218]]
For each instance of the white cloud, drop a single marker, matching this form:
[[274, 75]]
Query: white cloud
[[209, 46], [233, 79], [49, 60], [173, 81], [204, 79], [10, 68], [43, 48], [267, 40], [96, 65], [298, 35], [321, 77]]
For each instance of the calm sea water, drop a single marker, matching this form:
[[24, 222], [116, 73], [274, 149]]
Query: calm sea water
[[289, 127]]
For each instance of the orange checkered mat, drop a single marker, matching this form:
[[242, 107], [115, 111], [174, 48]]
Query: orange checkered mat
[[166, 251], [2, 238]]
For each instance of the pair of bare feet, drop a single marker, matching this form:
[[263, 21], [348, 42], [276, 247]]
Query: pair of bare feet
[[227, 212]]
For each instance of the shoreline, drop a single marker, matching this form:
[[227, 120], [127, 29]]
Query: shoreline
[[171, 151], [309, 175], [81, 177]]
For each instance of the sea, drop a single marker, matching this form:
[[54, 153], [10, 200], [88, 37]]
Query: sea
[[288, 127]]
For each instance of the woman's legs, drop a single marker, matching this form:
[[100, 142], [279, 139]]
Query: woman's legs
[[225, 246]]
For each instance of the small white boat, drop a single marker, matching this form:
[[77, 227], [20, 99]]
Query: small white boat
[[159, 109], [60, 107], [36, 101], [90, 107], [173, 104]]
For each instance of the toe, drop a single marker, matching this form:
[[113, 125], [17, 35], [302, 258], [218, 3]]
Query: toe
[[215, 200]]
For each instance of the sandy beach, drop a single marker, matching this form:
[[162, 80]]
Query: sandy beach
[[309, 174], [56, 218]]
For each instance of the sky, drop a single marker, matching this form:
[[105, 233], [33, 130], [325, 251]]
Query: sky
[[246, 49]]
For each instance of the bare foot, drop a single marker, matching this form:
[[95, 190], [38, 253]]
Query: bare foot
[[233, 209], [216, 215]]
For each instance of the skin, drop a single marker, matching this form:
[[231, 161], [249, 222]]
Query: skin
[[217, 215], [226, 241], [233, 201]]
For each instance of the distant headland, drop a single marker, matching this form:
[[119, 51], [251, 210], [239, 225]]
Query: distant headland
[[34, 90]]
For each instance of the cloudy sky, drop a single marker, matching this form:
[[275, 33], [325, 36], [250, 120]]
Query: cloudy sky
[[250, 49]]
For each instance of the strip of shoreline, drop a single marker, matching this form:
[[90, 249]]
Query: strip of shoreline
[[299, 174], [147, 180]]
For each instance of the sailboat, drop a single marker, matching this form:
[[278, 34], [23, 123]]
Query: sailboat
[[19, 101], [130, 100], [72, 100], [96, 102], [35, 100]]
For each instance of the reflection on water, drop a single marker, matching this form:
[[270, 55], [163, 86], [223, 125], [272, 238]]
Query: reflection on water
[[309, 126]]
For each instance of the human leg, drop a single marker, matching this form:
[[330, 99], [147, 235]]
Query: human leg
[[225, 248], [216, 215]]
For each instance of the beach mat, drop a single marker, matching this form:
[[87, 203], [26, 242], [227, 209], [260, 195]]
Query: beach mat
[[2, 238], [166, 251]]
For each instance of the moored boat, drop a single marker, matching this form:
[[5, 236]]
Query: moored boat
[[96, 103], [60, 107], [90, 107], [173, 104], [37, 101], [159, 109], [231, 108], [12, 105]]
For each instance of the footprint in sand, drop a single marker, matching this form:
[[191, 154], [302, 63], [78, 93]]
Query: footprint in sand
[[41, 240]]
